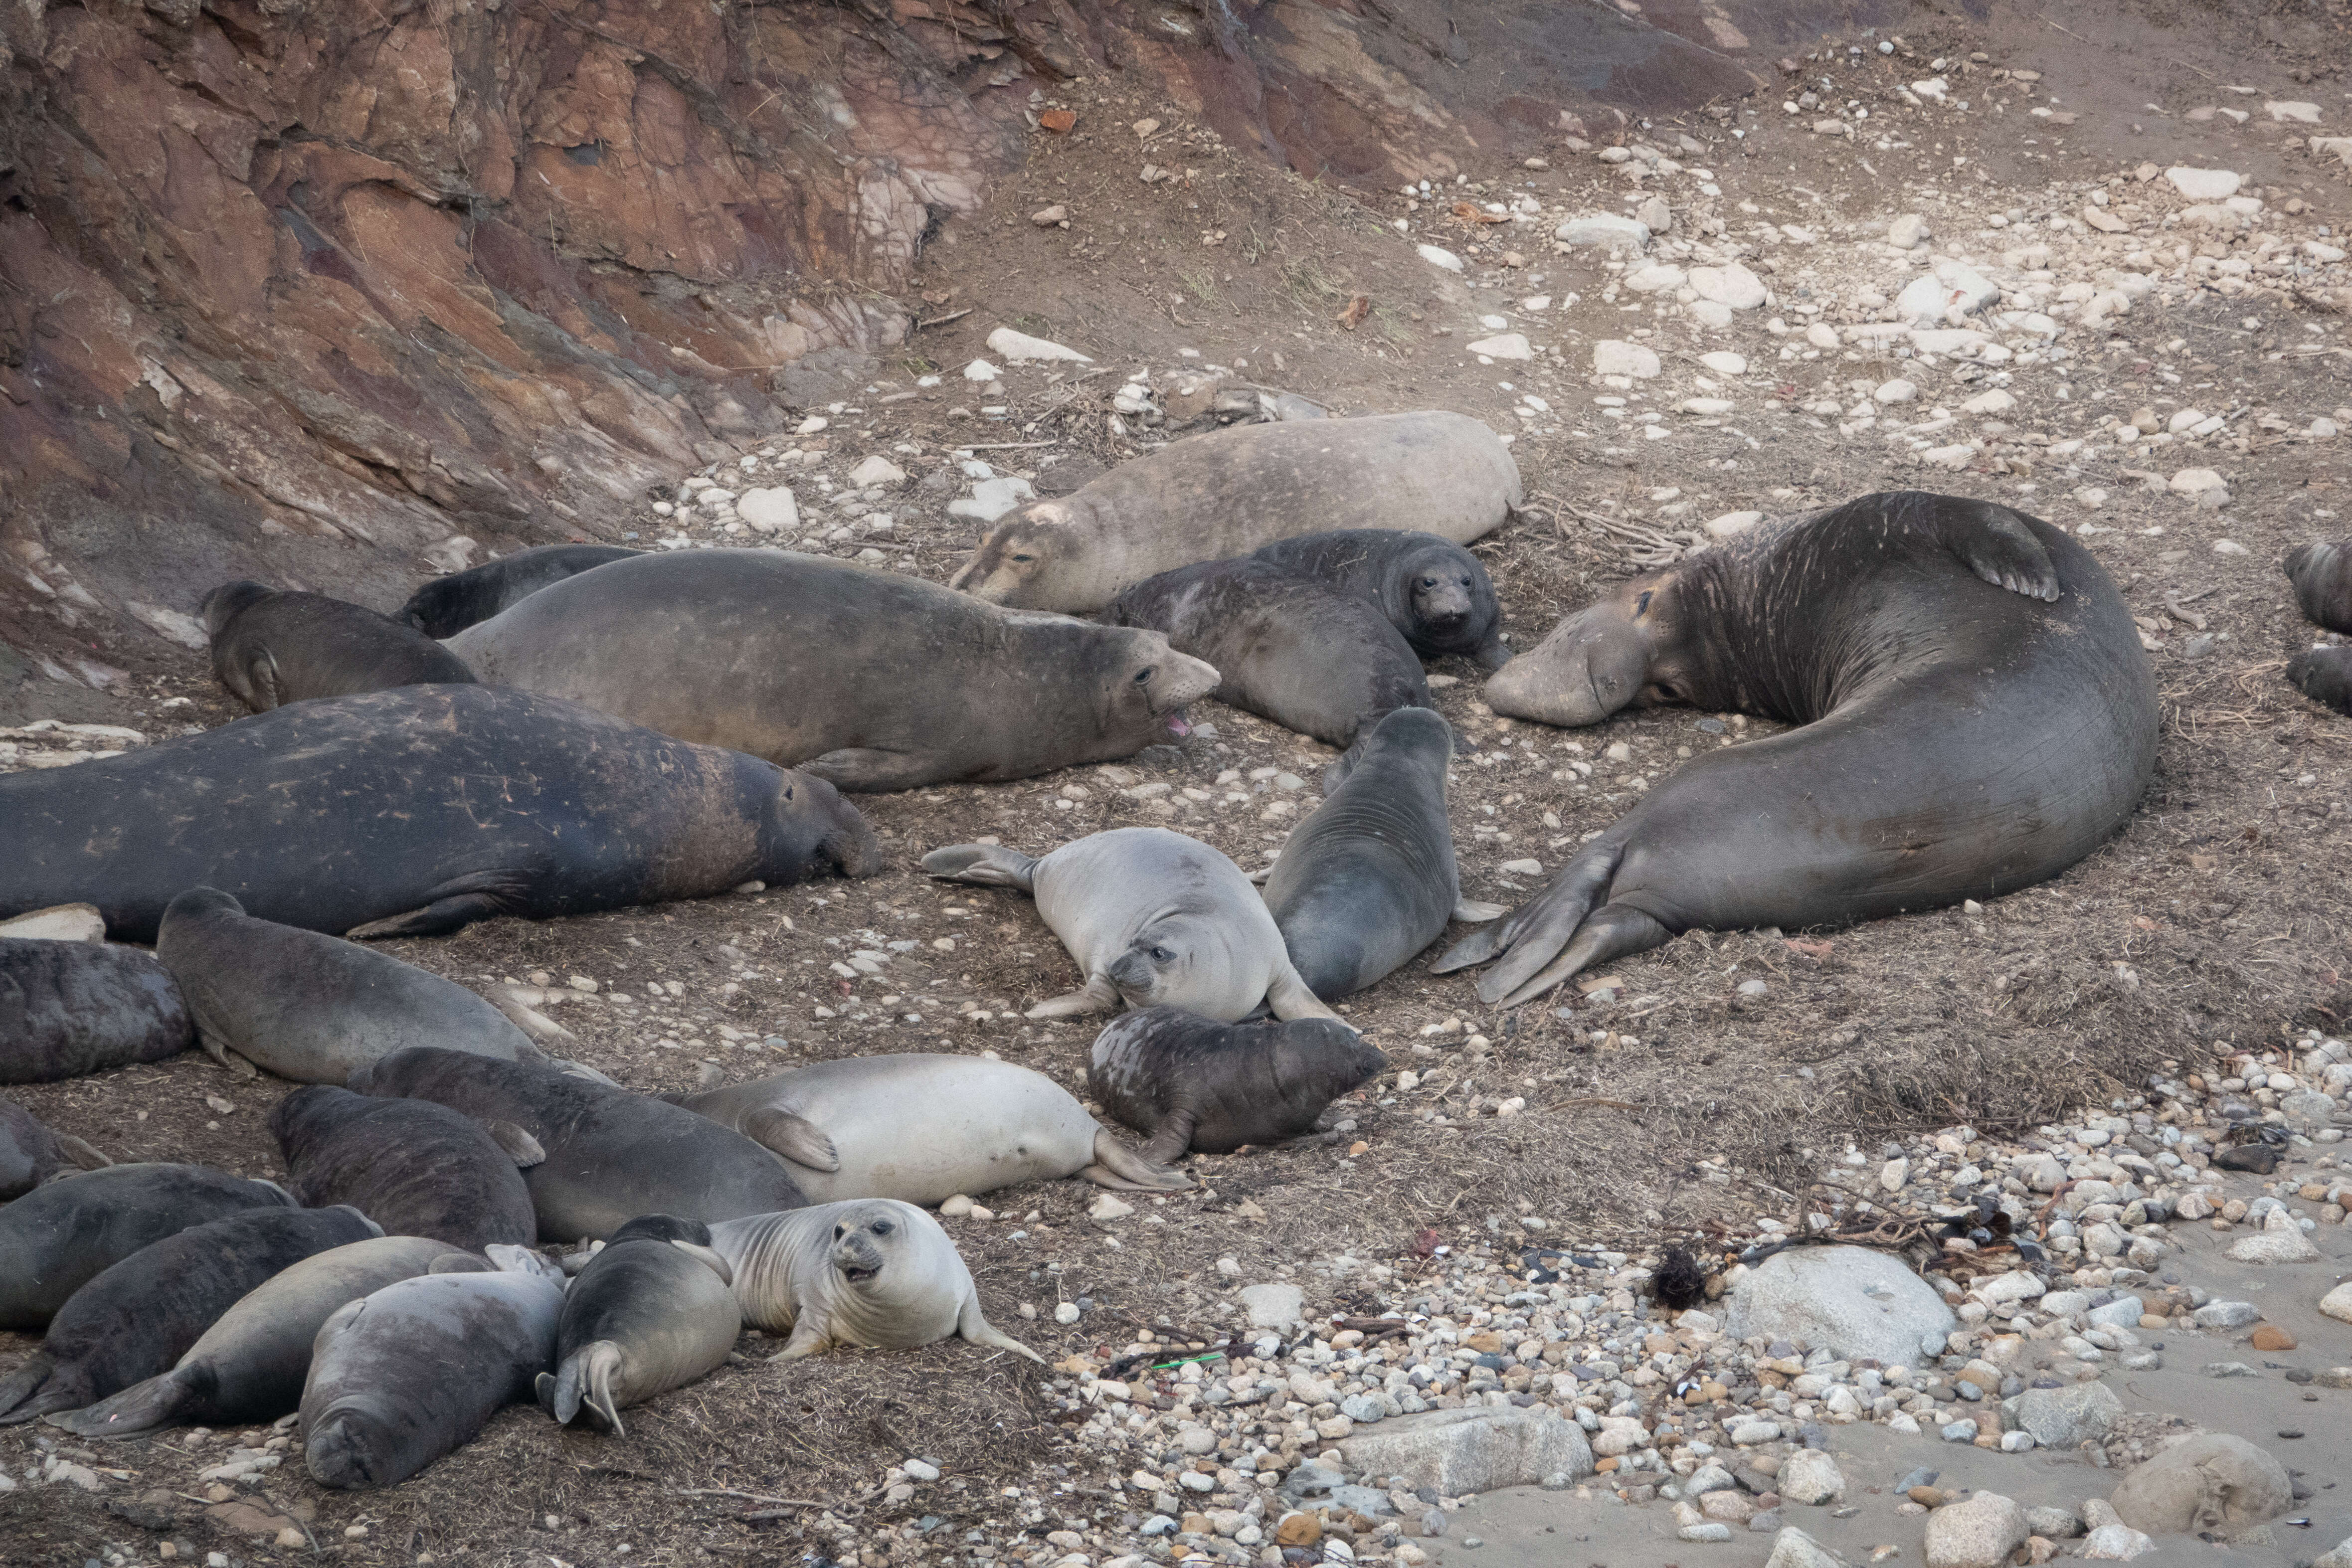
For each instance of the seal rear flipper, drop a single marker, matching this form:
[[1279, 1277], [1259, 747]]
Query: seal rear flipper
[[796, 1138], [989, 865], [1611, 932], [455, 905], [1998, 547], [535, 1024], [1171, 1138], [865, 768], [40, 1386], [516, 1143], [141, 1408], [1548, 921], [974, 1327], [1473, 911], [1117, 1166], [584, 1381], [1290, 997], [1097, 996]]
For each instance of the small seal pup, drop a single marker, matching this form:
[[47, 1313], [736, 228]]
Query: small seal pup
[[64, 1233], [448, 605], [30, 1154], [922, 1127], [1430, 588], [1194, 1083], [871, 1272], [652, 1312], [415, 1167], [2325, 675], [271, 648], [140, 1315], [68, 1009], [2322, 574], [1368, 879], [1154, 918]]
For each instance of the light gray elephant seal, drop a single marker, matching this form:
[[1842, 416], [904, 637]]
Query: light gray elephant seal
[[1154, 919], [271, 648], [869, 679], [871, 1272], [249, 1365], [65, 1233], [415, 1167], [68, 1009], [922, 1127], [448, 605], [30, 1154], [652, 1312], [140, 1316], [1975, 711], [1227, 492], [1432, 589], [310, 1006], [415, 1369], [1192, 1082]]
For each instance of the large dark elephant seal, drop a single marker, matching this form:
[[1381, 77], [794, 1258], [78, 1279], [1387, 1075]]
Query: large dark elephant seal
[[870, 1272], [1285, 647], [1976, 714], [249, 1365], [870, 679], [63, 1234], [2324, 674], [1194, 1083], [1367, 880], [2322, 574], [415, 1369], [414, 811], [611, 1155], [1430, 588], [30, 1154], [72, 1008], [448, 605], [653, 1312], [271, 648], [922, 1127], [1229, 492], [415, 1167], [138, 1317], [1154, 919]]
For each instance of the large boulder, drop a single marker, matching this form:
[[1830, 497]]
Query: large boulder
[[1460, 1452], [2213, 1481], [1979, 1531], [1854, 1302]]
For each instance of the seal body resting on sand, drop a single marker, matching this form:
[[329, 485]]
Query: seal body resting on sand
[[1430, 588], [448, 605], [271, 648], [2322, 574], [415, 1167], [72, 1008], [653, 1311], [1194, 1083], [64, 1233]]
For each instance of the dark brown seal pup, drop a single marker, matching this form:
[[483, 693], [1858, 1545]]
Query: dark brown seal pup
[[448, 605], [1430, 588], [2322, 574], [415, 1167], [61, 1235], [654, 1310], [30, 1154], [1193, 1082], [71, 1008], [271, 648], [2325, 675], [1976, 712], [414, 811]]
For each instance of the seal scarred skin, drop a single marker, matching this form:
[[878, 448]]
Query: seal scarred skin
[[415, 1167], [72, 1008], [448, 605], [63, 1234], [1193, 1082], [1432, 589], [653, 1312], [271, 648], [2322, 574]]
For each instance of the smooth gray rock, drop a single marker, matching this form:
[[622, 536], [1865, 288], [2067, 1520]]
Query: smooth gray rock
[[1854, 1302], [2213, 1481], [1979, 1532], [2053, 1523], [2063, 1418], [1792, 1548], [1810, 1477], [1461, 1452], [2226, 1315]]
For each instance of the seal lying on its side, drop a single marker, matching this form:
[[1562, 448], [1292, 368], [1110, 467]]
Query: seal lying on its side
[[2322, 574], [448, 605], [870, 1272], [1154, 918], [72, 1008], [2325, 675], [1430, 588], [1976, 714], [415, 1167], [271, 648], [653, 1312], [65, 1233], [1192, 1082], [30, 1154], [921, 1128]]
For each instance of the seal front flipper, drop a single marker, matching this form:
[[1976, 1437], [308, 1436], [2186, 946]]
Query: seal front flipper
[[1998, 547], [807, 1339], [975, 1327], [81, 1154], [515, 1141], [989, 865], [1117, 1166], [1290, 997], [1472, 912], [1492, 654], [452, 907], [218, 1048], [1173, 1137], [866, 769], [796, 1138], [1097, 996]]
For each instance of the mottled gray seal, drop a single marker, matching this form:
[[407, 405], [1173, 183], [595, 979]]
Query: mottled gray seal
[[448, 605], [871, 679], [1432, 589], [1193, 1082], [30, 1154], [415, 1167], [65, 1233], [2322, 574], [1227, 492], [1154, 918], [1976, 716], [417, 811], [2325, 675], [923, 1127], [72, 1008], [271, 648], [652, 1312], [870, 1272]]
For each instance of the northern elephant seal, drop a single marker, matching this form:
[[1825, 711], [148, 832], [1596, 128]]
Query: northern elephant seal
[[1154, 919], [2322, 574], [1229, 492], [653, 1312], [250, 1365], [414, 811], [923, 1127], [448, 605], [871, 1272], [1193, 1082], [415, 1167], [271, 648], [140, 1315], [413, 1370], [611, 1155], [1976, 716], [2325, 675], [870, 679], [1432, 589], [30, 1154], [60, 1236], [72, 1008]]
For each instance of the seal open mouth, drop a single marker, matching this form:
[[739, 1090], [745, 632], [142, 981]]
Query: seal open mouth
[[858, 1274], [1176, 724]]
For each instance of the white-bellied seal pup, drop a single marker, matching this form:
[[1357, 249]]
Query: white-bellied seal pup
[[1153, 918], [249, 1365], [653, 1312], [271, 648], [413, 1370], [415, 1167], [1976, 716], [1229, 492], [871, 1272], [414, 811], [611, 1155], [1367, 880], [1430, 588], [871, 679], [923, 1127], [65, 1233], [30, 1154], [140, 1315], [1194, 1083], [448, 605], [2324, 674], [72, 1008], [2321, 572]]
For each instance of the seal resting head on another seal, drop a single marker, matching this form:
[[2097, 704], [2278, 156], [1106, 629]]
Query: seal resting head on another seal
[[653, 1311], [2322, 574], [415, 1167], [1432, 589], [1192, 1082], [271, 648], [448, 605]]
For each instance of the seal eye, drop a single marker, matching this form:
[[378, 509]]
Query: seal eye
[[1642, 605], [1025, 560], [1161, 956], [1143, 676], [788, 791], [1429, 582], [882, 1228]]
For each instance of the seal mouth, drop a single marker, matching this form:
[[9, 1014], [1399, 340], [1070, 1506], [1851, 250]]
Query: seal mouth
[[1177, 726], [858, 1273]]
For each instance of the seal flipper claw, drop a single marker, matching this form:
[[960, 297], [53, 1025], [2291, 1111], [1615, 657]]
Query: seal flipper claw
[[1117, 1166], [1998, 547], [989, 865], [796, 1138]]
